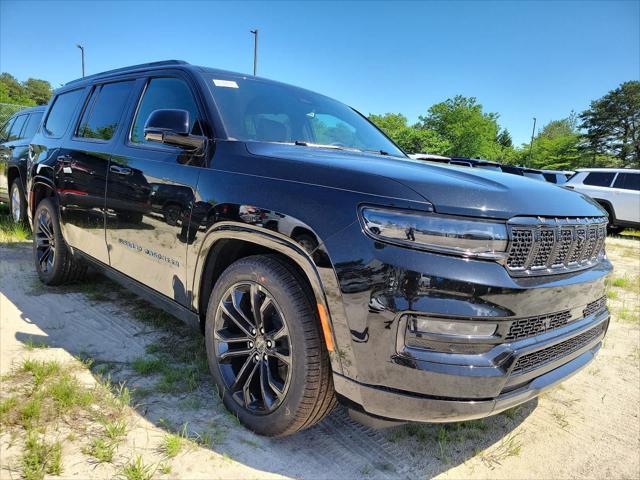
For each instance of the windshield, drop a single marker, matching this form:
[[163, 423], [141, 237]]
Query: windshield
[[263, 111]]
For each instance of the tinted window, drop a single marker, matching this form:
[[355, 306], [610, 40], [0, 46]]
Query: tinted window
[[628, 181], [32, 125], [103, 111], [165, 93], [16, 128], [60, 115], [550, 177], [599, 179], [6, 128]]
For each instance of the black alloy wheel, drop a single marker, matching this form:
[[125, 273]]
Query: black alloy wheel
[[45, 241], [252, 347]]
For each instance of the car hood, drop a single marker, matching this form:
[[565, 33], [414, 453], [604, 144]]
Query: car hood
[[451, 189]]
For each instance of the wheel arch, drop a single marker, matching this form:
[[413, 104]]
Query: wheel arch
[[13, 172], [40, 188], [229, 241], [608, 206]]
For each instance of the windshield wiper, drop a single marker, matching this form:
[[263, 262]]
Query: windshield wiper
[[320, 145]]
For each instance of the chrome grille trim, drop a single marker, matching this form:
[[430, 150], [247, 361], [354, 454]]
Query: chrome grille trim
[[541, 246]]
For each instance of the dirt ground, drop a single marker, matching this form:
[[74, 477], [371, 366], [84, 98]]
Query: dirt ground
[[589, 427]]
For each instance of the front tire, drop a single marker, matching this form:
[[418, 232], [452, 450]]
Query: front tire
[[17, 202], [265, 348], [53, 260]]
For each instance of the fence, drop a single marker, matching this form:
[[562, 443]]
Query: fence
[[8, 109]]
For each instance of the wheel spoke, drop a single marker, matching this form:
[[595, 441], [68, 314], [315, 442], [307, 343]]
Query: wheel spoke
[[45, 256], [277, 387], [279, 334], [229, 354], [239, 381], [236, 317], [284, 358], [254, 292], [236, 305], [246, 394], [223, 337], [267, 399]]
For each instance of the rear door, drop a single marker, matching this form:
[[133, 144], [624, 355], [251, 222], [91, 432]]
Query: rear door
[[11, 142], [151, 190], [626, 192], [82, 163]]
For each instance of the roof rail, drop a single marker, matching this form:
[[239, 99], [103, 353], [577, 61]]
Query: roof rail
[[162, 63]]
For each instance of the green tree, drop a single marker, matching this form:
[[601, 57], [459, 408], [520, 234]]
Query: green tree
[[469, 131], [38, 90], [411, 139], [612, 125], [12, 91], [556, 146]]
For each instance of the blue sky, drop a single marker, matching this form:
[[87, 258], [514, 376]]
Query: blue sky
[[520, 59]]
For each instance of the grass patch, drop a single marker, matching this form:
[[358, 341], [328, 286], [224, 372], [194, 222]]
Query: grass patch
[[48, 396], [40, 458], [30, 344], [612, 294], [11, 232], [509, 446], [147, 366], [102, 450], [628, 283], [627, 315], [137, 470]]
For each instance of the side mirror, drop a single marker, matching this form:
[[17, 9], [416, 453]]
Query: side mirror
[[172, 127]]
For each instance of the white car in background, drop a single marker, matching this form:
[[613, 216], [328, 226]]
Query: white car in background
[[616, 189]]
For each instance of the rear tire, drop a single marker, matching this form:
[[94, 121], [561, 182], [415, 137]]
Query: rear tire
[[53, 260], [290, 355], [17, 202]]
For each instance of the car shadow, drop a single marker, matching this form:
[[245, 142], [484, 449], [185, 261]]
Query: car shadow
[[95, 321]]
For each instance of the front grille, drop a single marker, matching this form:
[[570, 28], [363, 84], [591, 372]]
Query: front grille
[[542, 246], [528, 327], [595, 306], [531, 361]]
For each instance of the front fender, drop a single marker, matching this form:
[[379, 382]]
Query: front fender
[[315, 266]]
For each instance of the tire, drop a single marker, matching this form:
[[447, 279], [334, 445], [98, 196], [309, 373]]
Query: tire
[[17, 202], [52, 258], [172, 213], [291, 397]]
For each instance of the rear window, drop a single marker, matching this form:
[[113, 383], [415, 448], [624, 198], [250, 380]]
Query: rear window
[[599, 179], [32, 125], [104, 110], [513, 170], [61, 112], [628, 181]]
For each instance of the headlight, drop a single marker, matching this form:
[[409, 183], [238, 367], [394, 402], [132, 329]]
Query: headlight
[[440, 233]]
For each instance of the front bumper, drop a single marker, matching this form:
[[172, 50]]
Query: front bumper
[[411, 406], [386, 376]]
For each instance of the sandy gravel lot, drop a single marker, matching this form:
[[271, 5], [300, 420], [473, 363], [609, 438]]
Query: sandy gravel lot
[[589, 427]]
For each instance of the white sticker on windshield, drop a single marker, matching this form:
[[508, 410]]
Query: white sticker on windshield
[[225, 83]]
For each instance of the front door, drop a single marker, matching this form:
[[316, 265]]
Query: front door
[[150, 192], [81, 168]]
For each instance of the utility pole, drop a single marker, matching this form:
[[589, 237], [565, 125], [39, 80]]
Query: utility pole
[[533, 132], [82, 53], [255, 51]]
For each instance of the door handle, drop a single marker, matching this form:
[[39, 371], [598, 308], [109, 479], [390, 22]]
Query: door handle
[[120, 170]]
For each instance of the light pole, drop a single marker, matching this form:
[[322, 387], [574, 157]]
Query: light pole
[[533, 132], [255, 51], [82, 53]]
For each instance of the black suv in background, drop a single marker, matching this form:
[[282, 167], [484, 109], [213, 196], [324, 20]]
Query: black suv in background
[[319, 261], [15, 136]]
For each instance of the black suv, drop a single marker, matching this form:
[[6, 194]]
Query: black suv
[[320, 262], [15, 136]]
